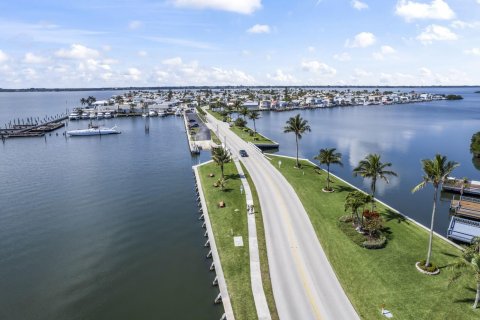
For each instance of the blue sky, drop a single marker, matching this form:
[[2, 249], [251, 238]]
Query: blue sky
[[239, 42]]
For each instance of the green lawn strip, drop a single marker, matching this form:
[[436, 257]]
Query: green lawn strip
[[215, 138], [217, 115], [226, 223], [385, 276], [262, 248], [248, 138]]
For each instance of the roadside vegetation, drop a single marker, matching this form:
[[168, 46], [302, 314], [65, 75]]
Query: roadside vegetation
[[229, 221], [386, 277]]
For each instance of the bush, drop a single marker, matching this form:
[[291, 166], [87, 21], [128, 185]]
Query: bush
[[240, 123], [346, 218], [378, 243], [430, 268]]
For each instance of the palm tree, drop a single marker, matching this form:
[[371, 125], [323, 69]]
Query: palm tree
[[353, 202], [83, 101], [221, 156], [469, 264], [329, 156], [237, 106], [254, 115], [243, 112], [435, 171], [298, 126], [373, 168]]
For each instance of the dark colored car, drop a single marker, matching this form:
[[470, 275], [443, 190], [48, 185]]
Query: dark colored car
[[243, 153], [195, 125]]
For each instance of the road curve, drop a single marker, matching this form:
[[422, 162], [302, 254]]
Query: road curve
[[304, 284]]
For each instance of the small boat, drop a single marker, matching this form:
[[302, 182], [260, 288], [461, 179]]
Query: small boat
[[85, 116], [73, 116], [92, 115], [93, 131], [162, 114], [107, 115], [99, 115], [144, 115], [152, 113]]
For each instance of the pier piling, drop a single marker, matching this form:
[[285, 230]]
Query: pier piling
[[218, 299], [212, 266]]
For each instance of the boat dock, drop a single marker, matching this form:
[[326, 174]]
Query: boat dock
[[465, 224], [462, 186], [466, 207], [32, 128]]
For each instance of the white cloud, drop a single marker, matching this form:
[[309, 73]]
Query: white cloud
[[361, 73], [3, 57], [259, 28], [318, 67], [384, 51], [177, 61], [281, 77], [34, 59], [473, 51], [142, 53], [411, 10], [238, 6], [435, 32], [344, 56], [311, 49], [246, 53], [180, 42], [133, 74], [77, 51], [177, 72], [361, 40], [359, 5], [135, 24], [458, 24]]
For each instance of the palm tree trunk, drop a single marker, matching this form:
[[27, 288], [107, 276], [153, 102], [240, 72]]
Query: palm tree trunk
[[254, 128], [374, 187], [296, 141], [221, 168], [477, 297], [429, 254], [328, 177]]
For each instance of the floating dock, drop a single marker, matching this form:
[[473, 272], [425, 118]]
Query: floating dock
[[33, 130], [462, 186], [465, 224]]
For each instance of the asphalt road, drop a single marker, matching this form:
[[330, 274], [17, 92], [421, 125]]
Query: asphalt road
[[304, 284]]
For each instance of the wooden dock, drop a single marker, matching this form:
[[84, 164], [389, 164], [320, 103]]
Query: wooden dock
[[466, 207], [462, 186], [33, 130]]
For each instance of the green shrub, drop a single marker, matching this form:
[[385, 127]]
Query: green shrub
[[430, 268]]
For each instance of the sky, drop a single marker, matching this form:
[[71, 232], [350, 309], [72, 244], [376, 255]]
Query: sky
[[105, 43]]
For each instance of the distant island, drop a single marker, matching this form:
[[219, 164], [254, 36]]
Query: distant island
[[454, 97]]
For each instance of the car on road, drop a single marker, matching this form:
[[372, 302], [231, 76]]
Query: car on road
[[243, 153]]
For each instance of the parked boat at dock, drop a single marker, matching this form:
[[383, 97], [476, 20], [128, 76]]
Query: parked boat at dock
[[74, 116], [93, 131], [463, 186]]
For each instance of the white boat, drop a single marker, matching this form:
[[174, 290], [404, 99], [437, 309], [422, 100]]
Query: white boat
[[92, 115], [144, 115], [107, 115], [162, 114], [99, 115], [152, 113], [73, 116], [93, 132]]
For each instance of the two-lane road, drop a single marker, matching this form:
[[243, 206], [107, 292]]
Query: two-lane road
[[304, 284]]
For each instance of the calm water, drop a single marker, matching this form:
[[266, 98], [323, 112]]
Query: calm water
[[100, 228], [402, 134]]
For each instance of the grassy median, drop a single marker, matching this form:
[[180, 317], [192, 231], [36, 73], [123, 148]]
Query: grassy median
[[385, 276]]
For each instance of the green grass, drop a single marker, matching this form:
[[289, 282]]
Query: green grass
[[385, 276], [262, 249], [215, 138], [258, 138], [226, 224]]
